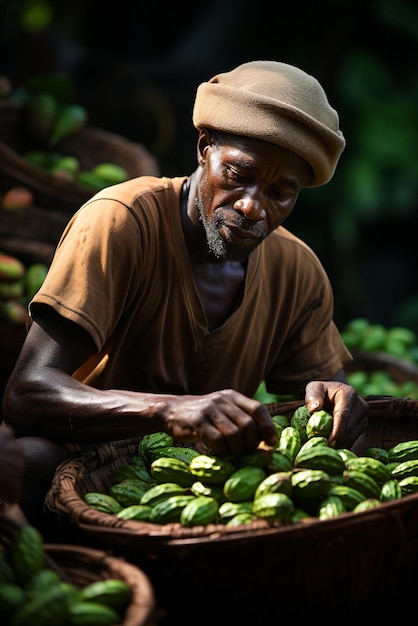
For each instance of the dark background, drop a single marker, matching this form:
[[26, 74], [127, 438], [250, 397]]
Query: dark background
[[136, 67]]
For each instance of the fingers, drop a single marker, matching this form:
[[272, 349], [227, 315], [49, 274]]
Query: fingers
[[227, 421], [315, 394], [237, 431], [348, 408]]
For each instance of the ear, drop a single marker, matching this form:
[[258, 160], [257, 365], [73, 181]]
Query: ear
[[203, 142]]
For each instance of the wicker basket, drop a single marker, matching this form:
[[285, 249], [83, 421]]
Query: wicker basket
[[346, 561], [91, 146], [82, 565], [400, 370]]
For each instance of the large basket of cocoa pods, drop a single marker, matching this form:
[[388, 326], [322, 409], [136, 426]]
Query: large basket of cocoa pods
[[90, 146], [50, 583], [309, 557]]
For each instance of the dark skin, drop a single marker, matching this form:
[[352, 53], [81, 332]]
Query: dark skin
[[12, 465], [244, 189]]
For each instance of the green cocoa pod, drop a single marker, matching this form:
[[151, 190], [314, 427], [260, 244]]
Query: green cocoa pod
[[278, 482], [310, 484], [133, 471], [129, 491], [6, 572], [390, 490], [88, 179], [373, 467], [313, 441], [320, 457], [41, 581], [12, 597], [299, 515], [346, 454], [110, 173], [39, 113], [26, 553], [135, 511], [365, 505], [139, 460], [403, 451], [200, 511], [274, 507], [391, 466], [319, 424], [405, 469], [69, 121], [362, 482], [281, 420], [349, 496], [289, 443], [242, 484], [158, 493], [34, 278], [112, 592], [299, 420], [331, 506], [408, 485], [210, 469], [102, 502], [170, 470], [241, 519], [378, 453], [228, 510], [87, 613], [169, 510], [48, 608], [279, 462], [212, 491], [174, 452], [153, 441]]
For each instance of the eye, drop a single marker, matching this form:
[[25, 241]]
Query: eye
[[235, 176], [279, 194]]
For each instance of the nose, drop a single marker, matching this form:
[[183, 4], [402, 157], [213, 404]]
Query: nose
[[250, 207]]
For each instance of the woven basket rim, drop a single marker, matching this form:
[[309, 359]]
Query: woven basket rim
[[143, 602], [99, 564], [64, 499]]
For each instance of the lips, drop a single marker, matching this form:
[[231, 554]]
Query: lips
[[241, 236]]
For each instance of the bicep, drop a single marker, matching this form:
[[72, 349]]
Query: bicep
[[53, 341]]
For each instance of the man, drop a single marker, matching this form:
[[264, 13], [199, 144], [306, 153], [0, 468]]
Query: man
[[169, 300]]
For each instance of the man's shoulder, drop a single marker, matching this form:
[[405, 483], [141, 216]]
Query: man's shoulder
[[287, 238], [290, 250], [133, 189]]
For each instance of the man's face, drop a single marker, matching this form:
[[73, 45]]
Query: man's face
[[246, 189]]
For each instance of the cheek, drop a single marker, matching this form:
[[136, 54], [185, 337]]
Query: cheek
[[278, 215]]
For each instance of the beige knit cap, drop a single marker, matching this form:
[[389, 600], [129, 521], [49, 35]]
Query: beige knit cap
[[278, 103]]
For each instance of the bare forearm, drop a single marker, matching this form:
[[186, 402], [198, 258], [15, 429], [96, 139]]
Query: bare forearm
[[63, 409]]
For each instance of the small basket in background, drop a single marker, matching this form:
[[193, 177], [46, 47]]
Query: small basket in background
[[81, 565], [400, 370], [91, 146]]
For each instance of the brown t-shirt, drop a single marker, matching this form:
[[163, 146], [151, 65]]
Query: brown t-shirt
[[122, 272]]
